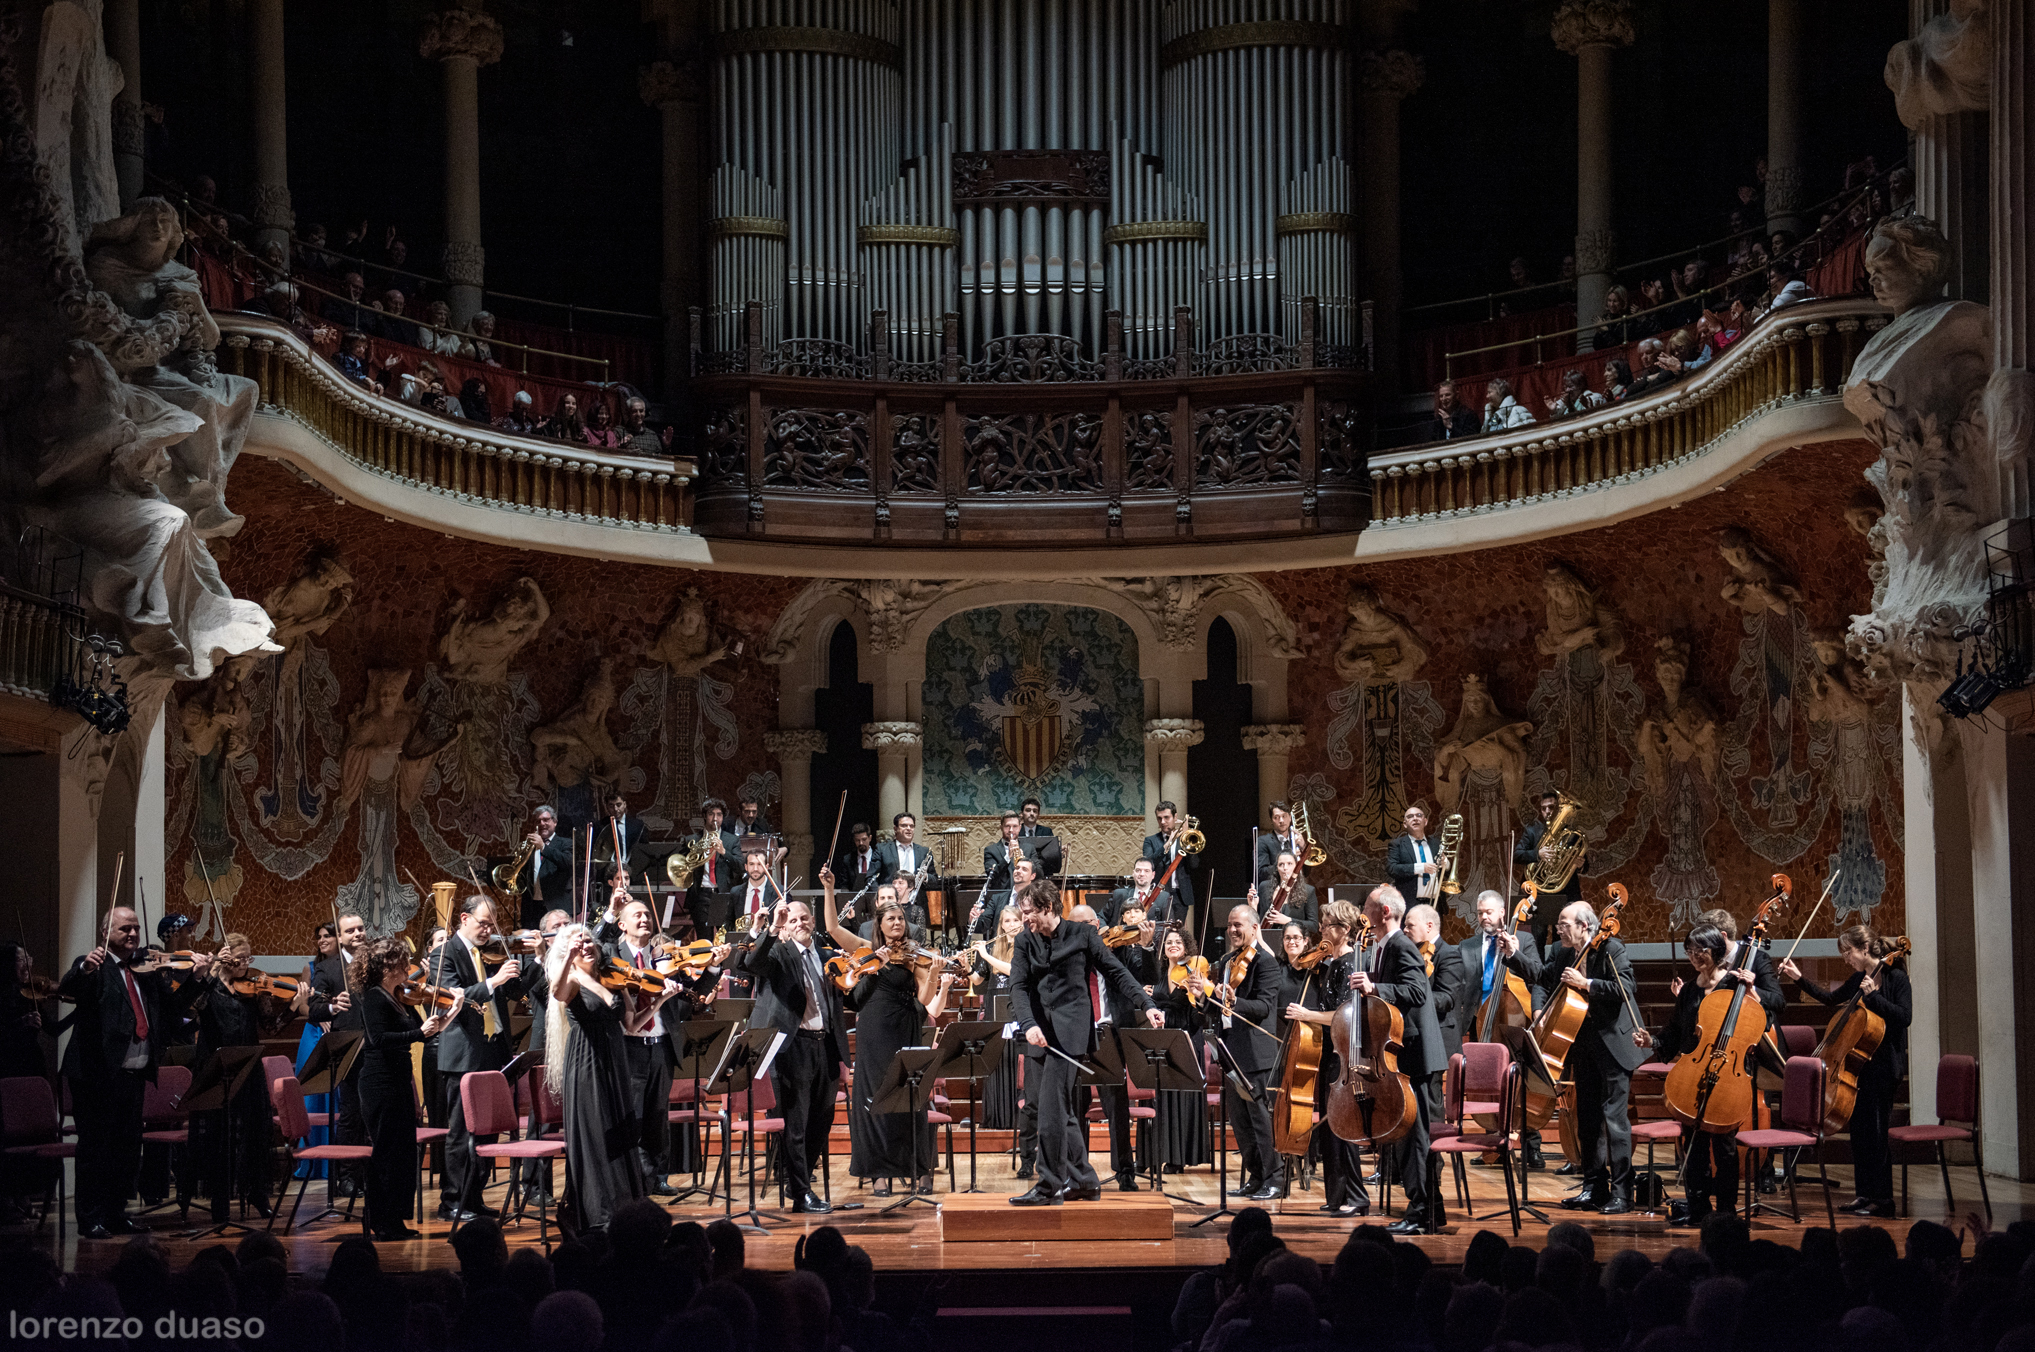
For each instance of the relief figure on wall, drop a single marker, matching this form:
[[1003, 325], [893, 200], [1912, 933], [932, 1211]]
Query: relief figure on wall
[[1391, 713], [478, 651], [1839, 697], [1759, 583], [688, 644], [577, 752], [1678, 747], [1480, 772], [1587, 702], [382, 771], [214, 724], [1377, 645]]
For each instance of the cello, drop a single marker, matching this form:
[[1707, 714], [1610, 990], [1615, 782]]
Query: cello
[[1371, 1102], [1560, 1021], [1711, 1086], [1299, 1071], [1851, 1040]]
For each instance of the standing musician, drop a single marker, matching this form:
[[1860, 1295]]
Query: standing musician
[[754, 896], [329, 1000], [1710, 1168], [1058, 971], [707, 899], [1115, 1098], [998, 858], [902, 855], [1530, 851], [1341, 1163], [1290, 899], [1412, 860], [749, 818], [1602, 1060], [533, 1177], [1141, 895], [1394, 971], [117, 1038], [617, 822], [1246, 989], [982, 919], [1455, 1002], [1487, 955], [1282, 839], [857, 863], [477, 1038], [1741, 953], [387, 1091], [794, 996], [1162, 847], [546, 881], [233, 1154], [1884, 989], [1039, 841]]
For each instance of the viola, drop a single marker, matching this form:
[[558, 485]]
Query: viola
[[845, 969], [416, 991], [264, 983], [1849, 1042], [1712, 1087], [618, 975], [158, 960]]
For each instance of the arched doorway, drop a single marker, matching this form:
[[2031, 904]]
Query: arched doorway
[[1222, 776], [840, 709]]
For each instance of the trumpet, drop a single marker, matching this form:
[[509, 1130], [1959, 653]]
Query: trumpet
[[1188, 836], [505, 875], [1316, 855], [1450, 852]]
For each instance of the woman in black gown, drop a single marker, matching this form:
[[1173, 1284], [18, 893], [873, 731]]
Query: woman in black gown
[[1181, 1124], [1325, 987], [586, 1064], [999, 1091], [388, 1094]]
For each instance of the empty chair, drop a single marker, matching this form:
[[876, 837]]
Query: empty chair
[[491, 1111], [1801, 1127], [1956, 1101]]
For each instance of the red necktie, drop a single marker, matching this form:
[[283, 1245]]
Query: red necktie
[[134, 999], [711, 859], [755, 900], [1095, 997]]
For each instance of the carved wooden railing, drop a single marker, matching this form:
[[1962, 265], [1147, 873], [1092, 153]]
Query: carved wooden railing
[[38, 641], [462, 461], [1798, 356]]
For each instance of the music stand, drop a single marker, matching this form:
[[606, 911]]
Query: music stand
[[744, 1058], [735, 1008], [1162, 1060], [1532, 1065], [330, 1062], [907, 1090], [1234, 1078], [978, 1048], [705, 1043], [215, 1088]]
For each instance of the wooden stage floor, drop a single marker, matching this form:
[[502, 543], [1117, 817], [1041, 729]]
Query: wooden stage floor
[[911, 1239]]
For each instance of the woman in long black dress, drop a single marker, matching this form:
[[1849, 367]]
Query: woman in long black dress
[[999, 1091], [1181, 1123], [388, 1094], [586, 1064]]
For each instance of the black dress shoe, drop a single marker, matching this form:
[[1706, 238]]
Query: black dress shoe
[[1857, 1206], [461, 1216], [1374, 1178], [1037, 1197], [94, 1231], [1027, 1172], [120, 1225], [485, 1210], [813, 1204], [1075, 1192], [447, 1211], [1617, 1206], [1266, 1194], [1585, 1200], [539, 1199], [260, 1207], [1569, 1170], [1406, 1226], [1535, 1160], [397, 1234], [660, 1188], [1686, 1221], [926, 1186], [881, 1189], [1879, 1211], [1126, 1183], [1347, 1209]]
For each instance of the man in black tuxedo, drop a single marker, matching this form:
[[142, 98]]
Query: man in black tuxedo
[[331, 1003], [658, 1048], [983, 919], [1602, 1060], [1161, 849], [1488, 954], [1529, 852], [1040, 842], [1115, 1098], [1255, 1000], [857, 864], [1397, 974], [1740, 955], [749, 819], [903, 854], [1289, 900], [1059, 969], [999, 856], [478, 1039], [118, 1032], [706, 899], [617, 823], [1455, 1003], [794, 996], [546, 881], [1281, 839], [1412, 862], [1140, 894]]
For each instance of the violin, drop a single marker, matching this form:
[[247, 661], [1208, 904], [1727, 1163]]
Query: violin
[[158, 960], [845, 969], [687, 959], [618, 975], [503, 945], [1123, 936], [1179, 972], [416, 991], [1711, 1087]]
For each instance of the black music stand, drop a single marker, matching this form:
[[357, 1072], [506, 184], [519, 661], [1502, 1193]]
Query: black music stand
[[1162, 1060], [978, 1048], [907, 1089], [744, 1058], [1234, 1078], [326, 1071], [215, 1088], [705, 1043]]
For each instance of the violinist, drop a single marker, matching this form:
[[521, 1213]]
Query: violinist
[[534, 1176], [388, 1099], [1710, 1168], [1115, 1098], [1394, 971], [476, 1038], [1883, 989], [794, 996], [654, 1051], [1333, 961], [227, 1018], [328, 1002], [1290, 900], [1247, 980], [1447, 977], [1180, 1123], [1000, 1094], [117, 1037], [1602, 1060], [1136, 956], [1487, 955]]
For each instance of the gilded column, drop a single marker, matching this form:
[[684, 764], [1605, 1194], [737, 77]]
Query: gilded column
[[273, 219], [795, 749], [1590, 30], [1784, 116], [1273, 742], [462, 40], [1171, 738], [675, 87], [1383, 79], [123, 44], [896, 745]]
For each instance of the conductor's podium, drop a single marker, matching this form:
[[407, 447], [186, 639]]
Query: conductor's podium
[[966, 1217]]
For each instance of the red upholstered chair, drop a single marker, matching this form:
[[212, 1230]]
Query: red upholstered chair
[[1956, 1101], [1658, 1131], [1485, 1065], [427, 1136], [286, 1096], [1801, 1127], [165, 1124], [1800, 1039], [1511, 1112], [274, 1068], [490, 1110], [31, 1129]]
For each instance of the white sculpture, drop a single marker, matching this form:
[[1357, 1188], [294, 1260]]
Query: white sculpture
[[1946, 68], [1759, 583], [309, 603]]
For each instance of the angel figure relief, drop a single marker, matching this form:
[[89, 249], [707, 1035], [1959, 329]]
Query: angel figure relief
[[1377, 645], [578, 747], [1678, 747], [478, 651], [688, 644], [387, 755], [1576, 619], [1480, 772], [1759, 583]]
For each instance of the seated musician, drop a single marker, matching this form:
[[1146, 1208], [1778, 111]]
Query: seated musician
[[1710, 1168], [982, 919], [1283, 838], [898, 892], [1138, 896], [1039, 841], [1325, 986]]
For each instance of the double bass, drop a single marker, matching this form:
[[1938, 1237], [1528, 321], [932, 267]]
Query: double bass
[[1849, 1042], [1560, 1021], [1711, 1087], [1299, 1071], [1510, 1004], [1371, 1102]]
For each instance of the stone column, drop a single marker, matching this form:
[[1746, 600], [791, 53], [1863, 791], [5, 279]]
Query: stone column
[[1171, 738], [269, 106], [1273, 742], [675, 87], [795, 749], [462, 40], [1384, 77], [123, 44], [896, 746], [1784, 116], [1590, 30], [2012, 259]]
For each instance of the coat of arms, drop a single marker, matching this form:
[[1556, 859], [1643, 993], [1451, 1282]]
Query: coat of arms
[[1040, 717]]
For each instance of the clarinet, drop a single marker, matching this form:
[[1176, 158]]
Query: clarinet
[[980, 897], [848, 911]]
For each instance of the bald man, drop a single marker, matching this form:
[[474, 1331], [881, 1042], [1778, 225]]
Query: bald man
[[1245, 1019], [122, 1023], [1602, 1060]]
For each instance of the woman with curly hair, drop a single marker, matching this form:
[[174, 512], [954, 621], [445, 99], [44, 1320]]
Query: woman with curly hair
[[388, 1100]]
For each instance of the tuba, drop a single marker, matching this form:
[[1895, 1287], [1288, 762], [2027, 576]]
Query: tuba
[[1316, 855], [1552, 873], [1450, 848], [505, 875], [681, 864]]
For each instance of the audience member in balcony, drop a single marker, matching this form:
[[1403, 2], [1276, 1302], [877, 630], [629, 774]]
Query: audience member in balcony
[[521, 418], [281, 301], [1901, 191], [473, 402], [348, 310], [1651, 375], [439, 337], [1785, 284], [395, 258], [354, 363], [1617, 379], [1646, 320], [600, 431], [1452, 418], [638, 436], [1615, 330], [390, 322], [433, 396], [1501, 410], [312, 255], [1567, 276], [1577, 397], [482, 329], [1690, 284], [564, 422]]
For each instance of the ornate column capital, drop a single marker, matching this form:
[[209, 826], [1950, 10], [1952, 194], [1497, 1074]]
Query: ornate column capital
[[461, 34], [1594, 249], [1173, 734], [465, 263], [1278, 739], [891, 736], [799, 744], [680, 81], [272, 209], [1784, 195], [1393, 73], [1592, 23]]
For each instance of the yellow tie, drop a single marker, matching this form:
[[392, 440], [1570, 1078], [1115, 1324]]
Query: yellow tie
[[1427, 957]]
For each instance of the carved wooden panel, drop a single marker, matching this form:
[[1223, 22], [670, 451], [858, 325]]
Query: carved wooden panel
[[1031, 357], [1246, 354], [915, 452], [1059, 177], [1247, 445], [1341, 437], [725, 443], [1148, 450], [817, 448], [1034, 453]]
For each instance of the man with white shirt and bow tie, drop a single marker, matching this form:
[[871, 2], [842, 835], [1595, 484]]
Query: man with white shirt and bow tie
[[706, 900], [546, 881], [1282, 839], [902, 857]]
